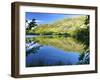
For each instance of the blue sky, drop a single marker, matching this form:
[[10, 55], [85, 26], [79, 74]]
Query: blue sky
[[46, 18]]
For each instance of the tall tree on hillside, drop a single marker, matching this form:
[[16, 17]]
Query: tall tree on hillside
[[32, 24], [86, 21]]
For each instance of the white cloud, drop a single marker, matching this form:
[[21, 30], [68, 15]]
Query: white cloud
[[39, 21], [29, 21]]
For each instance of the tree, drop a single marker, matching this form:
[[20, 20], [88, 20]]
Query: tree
[[26, 21], [82, 35], [86, 21], [32, 24]]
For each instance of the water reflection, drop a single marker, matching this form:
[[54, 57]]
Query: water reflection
[[52, 50]]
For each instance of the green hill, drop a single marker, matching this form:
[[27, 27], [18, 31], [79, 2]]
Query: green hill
[[64, 26]]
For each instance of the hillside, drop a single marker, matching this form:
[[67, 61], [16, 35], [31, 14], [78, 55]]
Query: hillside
[[64, 26]]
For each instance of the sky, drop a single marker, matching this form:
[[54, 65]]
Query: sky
[[47, 18]]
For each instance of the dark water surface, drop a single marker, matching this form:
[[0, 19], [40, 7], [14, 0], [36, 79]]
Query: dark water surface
[[52, 51]]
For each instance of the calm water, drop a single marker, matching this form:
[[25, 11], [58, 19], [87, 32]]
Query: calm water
[[52, 51]]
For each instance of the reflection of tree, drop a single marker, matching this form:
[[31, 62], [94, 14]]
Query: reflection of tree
[[84, 58], [30, 43], [82, 35], [60, 42], [31, 46], [33, 50]]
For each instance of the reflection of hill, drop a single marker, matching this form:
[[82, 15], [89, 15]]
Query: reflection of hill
[[64, 43]]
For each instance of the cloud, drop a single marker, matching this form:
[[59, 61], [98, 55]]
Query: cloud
[[39, 21]]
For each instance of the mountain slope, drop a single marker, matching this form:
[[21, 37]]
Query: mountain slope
[[64, 26]]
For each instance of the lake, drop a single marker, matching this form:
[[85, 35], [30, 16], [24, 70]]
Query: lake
[[52, 50]]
